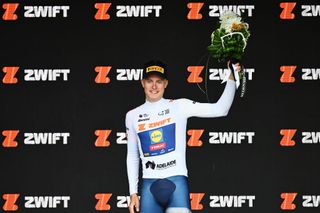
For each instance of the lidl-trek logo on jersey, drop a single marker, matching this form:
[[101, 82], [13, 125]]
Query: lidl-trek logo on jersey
[[290, 9], [34, 202], [10, 10], [290, 72], [158, 141], [106, 11], [44, 75], [156, 137], [34, 138], [215, 74], [305, 137], [196, 10], [289, 201]]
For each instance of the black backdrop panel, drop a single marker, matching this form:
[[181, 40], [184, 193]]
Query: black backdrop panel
[[97, 62]]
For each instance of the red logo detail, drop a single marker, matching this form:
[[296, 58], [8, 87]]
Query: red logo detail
[[287, 74], [195, 135], [157, 146], [287, 137], [102, 140], [196, 199], [10, 204], [10, 73], [102, 13], [10, 9], [287, 8], [103, 199], [10, 136], [195, 72], [288, 199], [194, 13], [102, 77]]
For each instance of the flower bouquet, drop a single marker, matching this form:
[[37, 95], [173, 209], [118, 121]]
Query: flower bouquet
[[229, 41]]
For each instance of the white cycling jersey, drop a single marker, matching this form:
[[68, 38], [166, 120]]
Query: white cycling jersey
[[156, 134]]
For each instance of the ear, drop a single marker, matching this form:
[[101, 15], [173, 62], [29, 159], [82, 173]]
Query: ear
[[142, 82], [166, 83]]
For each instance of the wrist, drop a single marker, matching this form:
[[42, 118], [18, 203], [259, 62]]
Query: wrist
[[231, 77]]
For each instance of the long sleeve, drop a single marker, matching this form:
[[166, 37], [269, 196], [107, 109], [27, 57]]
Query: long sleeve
[[220, 108], [133, 159]]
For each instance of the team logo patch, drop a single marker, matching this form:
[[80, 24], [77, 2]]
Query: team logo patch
[[158, 141], [156, 136]]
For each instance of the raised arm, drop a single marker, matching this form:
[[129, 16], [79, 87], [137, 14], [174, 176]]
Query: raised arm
[[218, 109]]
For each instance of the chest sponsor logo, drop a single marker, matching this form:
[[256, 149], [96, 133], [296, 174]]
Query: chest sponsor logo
[[152, 165], [144, 126], [164, 112], [143, 117], [158, 141]]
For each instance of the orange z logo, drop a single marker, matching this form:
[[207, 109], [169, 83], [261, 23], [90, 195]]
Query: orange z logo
[[141, 127], [287, 137], [102, 77], [10, 9], [195, 72], [10, 73], [10, 204], [288, 199], [102, 13], [196, 199], [195, 135], [102, 140], [287, 74], [10, 136], [194, 13], [287, 8], [103, 199]]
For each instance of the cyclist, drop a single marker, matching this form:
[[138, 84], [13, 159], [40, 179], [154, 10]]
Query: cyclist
[[156, 133]]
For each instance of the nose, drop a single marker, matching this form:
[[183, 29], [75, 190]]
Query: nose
[[154, 86]]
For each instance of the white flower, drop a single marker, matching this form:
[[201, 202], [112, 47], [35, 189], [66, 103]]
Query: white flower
[[228, 19]]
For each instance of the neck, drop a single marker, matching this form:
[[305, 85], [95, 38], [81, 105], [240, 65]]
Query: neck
[[154, 101]]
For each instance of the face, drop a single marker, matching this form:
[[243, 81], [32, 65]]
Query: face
[[154, 87]]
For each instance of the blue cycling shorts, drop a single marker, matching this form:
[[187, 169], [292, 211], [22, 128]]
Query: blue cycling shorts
[[157, 195]]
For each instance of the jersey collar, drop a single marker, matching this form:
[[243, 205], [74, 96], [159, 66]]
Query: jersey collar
[[162, 100]]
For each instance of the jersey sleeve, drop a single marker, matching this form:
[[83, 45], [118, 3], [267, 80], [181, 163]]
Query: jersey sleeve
[[133, 159], [220, 108]]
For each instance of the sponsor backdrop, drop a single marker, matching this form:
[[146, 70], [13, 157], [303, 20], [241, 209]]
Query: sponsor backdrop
[[70, 71]]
